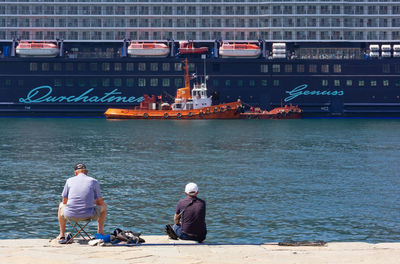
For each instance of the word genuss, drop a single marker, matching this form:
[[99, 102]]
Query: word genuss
[[301, 90], [43, 94]]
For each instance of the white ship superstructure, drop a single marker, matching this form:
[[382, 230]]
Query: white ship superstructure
[[201, 20]]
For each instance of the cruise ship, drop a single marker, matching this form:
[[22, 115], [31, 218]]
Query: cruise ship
[[79, 57]]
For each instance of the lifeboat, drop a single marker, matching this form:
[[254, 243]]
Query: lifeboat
[[190, 103], [283, 112], [239, 50], [45, 49], [148, 50], [188, 48]]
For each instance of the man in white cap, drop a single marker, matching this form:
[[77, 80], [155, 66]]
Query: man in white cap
[[190, 216]]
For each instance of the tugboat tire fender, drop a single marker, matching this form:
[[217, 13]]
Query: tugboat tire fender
[[207, 111], [215, 110], [178, 115], [223, 109], [146, 115], [190, 114], [166, 115]]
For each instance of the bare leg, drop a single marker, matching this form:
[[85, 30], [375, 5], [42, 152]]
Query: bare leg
[[102, 219], [62, 221]]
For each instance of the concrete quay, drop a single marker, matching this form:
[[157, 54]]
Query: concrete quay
[[160, 249]]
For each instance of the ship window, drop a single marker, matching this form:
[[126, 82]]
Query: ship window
[[154, 82], [81, 66], [20, 82], [300, 68], [93, 83], [276, 68], [7, 82], [69, 82], [361, 83], [57, 67], [373, 83], [93, 66], [397, 68], [142, 66], [288, 68], [178, 66], [264, 67], [240, 83], [215, 83], [228, 83], [264, 82], [57, 82], [324, 82], [191, 66], [105, 66], [106, 82], [69, 67], [385, 82], [178, 82], [81, 83], [386, 68], [33, 66], [325, 68], [276, 82], [336, 82], [129, 66], [349, 82], [312, 68], [45, 66], [165, 82], [117, 66], [166, 67], [337, 68], [117, 82], [252, 83], [142, 82], [129, 82], [397, 83], [153, 67]]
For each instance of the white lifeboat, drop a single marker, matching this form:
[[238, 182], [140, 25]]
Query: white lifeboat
[[239, 50], [148, 50], [44, 49]]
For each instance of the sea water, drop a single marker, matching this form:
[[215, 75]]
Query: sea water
[[263, 180]]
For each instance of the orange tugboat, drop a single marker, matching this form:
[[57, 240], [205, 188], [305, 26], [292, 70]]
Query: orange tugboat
[[283, 112], [189, 104]]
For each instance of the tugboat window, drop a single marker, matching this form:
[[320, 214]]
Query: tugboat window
[[69, 67], [240, 83], [385, 82], [337, 68], [215, 83], [178, 82], [312, 68], [154, 66], [276, 82], [69, 82], [386, 68], [142, 82], [264, 82], [373, 83], [20, 82], [93, 67], [276, 68], [45, 67], [57, 82], [117, 66], [324, 82], [228, 83], [57, 67], [178, 66], [105, 66], [264, 67], [252, 83], [337, 82], [81, 83], [361, 83], [106, 82], [288, 68], [81, 66], [93, 83], [300, 68], [153, 82], [349, 83], [325, 68]]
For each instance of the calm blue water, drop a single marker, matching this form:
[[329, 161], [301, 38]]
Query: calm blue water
[[263, 180]]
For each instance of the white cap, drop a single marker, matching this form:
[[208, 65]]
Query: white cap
[[191, 188]]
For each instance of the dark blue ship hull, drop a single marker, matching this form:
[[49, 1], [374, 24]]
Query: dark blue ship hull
[[87, 87]]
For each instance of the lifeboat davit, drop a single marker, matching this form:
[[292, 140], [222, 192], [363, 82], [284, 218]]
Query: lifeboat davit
[[239, 50], [148, 50], [44, 49], [188, 48]]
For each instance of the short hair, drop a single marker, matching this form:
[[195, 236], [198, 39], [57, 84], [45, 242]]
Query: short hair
[[80, 166]]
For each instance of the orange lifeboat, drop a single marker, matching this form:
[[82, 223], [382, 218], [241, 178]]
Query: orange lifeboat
[[187, 48], [190, 103], [40, 49], [148, 50], [239, 50]]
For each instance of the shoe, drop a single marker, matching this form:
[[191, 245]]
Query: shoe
[[170, 232]]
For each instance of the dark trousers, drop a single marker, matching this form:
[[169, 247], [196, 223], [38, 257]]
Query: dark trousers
[[178, 231]]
